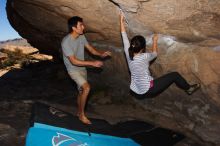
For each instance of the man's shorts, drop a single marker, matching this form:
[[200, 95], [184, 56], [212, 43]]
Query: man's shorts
[[80, 77]]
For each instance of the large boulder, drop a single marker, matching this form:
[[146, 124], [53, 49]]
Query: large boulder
[[9, 136], [188, 43]]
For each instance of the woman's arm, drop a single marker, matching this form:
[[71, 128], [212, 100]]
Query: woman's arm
[[126, 42], [122, 22], [154, 49], [154, 45]]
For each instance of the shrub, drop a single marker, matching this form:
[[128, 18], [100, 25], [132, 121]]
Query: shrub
[[15, 57]]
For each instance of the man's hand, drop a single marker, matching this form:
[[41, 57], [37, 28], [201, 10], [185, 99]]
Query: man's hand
[[97, 64], [105, 54]]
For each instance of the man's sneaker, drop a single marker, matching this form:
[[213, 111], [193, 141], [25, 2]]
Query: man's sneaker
[[193, 88]]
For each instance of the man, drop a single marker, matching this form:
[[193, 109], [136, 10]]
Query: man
[[73, 55]]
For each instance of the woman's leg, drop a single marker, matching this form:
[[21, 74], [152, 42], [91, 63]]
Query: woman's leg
[[163, 82]]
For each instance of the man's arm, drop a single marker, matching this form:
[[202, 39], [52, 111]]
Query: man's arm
[[94, 51], [78, 62]]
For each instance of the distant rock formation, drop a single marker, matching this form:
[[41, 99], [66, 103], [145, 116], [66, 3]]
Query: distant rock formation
[[17, 42], [17, 53], [189, 43]]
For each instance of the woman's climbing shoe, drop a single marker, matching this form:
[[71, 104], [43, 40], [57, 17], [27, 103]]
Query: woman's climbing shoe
[[193, 88]]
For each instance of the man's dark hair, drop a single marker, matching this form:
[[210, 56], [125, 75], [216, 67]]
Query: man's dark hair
[[138, 43], [72, 22]]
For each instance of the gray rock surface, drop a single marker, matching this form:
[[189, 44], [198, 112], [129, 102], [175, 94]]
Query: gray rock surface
[[189, 43]]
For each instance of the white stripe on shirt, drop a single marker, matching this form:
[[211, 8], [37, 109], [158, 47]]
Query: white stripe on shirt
[[139, 68]]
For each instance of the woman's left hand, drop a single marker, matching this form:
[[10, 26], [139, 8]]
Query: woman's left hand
[[155, 37]]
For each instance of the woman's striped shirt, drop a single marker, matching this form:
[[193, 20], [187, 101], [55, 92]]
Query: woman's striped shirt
[[139, 68]]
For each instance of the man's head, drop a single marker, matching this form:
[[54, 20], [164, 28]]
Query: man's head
[[75, 24]]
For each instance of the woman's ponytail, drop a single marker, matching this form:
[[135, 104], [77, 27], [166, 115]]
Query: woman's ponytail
[[131, 52], [137, 44]]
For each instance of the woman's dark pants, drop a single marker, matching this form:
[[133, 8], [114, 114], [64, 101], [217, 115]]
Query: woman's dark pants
[[162, 83]]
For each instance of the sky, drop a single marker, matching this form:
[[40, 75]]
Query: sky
[[6, 30]]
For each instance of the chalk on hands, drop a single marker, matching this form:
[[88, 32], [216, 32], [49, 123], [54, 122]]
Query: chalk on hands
[[123, 15]]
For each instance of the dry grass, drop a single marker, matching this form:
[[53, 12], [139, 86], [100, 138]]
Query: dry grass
[[15, 57]]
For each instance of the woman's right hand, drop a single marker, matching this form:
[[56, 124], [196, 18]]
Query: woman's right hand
[[121, 17], [122, 20]]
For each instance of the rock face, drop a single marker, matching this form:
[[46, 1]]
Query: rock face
[[188, 43], [10, 138]]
